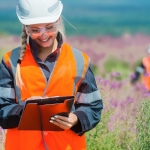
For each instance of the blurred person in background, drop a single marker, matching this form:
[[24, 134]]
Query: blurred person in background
[[143, 71], [46, 66]]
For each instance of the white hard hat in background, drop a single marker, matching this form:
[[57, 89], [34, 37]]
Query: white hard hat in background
[[38, 11], [148, 50]]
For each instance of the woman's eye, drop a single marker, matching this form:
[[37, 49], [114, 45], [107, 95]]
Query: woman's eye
[[35, 30], [51, 27]]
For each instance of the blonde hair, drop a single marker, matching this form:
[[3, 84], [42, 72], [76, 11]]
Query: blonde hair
[[24, 36], [62, 29], [19, 82]]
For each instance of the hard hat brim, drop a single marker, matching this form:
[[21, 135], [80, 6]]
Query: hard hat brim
[[40, 20]]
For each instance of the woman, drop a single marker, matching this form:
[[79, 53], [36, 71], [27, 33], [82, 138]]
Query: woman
[[45, 66]]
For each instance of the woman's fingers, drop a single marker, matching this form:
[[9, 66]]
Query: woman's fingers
[[64, 122], [34, 97], [61, 124], [66, 119]]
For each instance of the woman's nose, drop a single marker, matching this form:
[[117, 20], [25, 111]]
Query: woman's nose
[[43, 35]]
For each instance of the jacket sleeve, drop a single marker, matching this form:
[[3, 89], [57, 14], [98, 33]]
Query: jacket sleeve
[[89, 104], [139, 70], [10, 111]]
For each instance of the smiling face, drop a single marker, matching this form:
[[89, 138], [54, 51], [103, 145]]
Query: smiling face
[[43, 34]]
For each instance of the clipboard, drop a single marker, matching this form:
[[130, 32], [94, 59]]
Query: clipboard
[[37, 113]]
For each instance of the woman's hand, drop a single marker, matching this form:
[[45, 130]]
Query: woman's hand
[[64, 122], [36, 97]]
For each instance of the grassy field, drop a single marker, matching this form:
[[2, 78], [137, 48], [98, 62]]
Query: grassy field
[[114, 60]]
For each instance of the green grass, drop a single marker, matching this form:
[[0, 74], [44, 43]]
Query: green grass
[[115, 65]]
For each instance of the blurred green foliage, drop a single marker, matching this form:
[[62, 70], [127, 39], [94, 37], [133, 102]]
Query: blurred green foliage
[[113, 64], [143, 127], [95, 69], [2, 51]]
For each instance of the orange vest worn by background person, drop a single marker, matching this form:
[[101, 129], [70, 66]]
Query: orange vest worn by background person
[[69, 70], [146, 77]]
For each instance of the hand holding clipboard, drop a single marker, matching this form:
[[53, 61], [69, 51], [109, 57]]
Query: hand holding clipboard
[[37, 113]]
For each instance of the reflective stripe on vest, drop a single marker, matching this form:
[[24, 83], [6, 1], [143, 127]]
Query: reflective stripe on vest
[[12, 63], [69, 70], [146, 77]]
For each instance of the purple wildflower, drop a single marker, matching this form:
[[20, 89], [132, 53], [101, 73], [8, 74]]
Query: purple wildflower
[[114, 102], [118, 74], [130, 99], [113, 85], [113, 74], [133, 76], [98, 79], [119, 85], [146, 94], [110, 126], [105, 82], [123, 104]]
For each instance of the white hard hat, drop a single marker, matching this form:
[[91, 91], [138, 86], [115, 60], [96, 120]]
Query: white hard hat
[[148, 50], [38, 11]]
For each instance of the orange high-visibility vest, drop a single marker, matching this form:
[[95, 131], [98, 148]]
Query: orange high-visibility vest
[[69, 70], [146, 78]]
